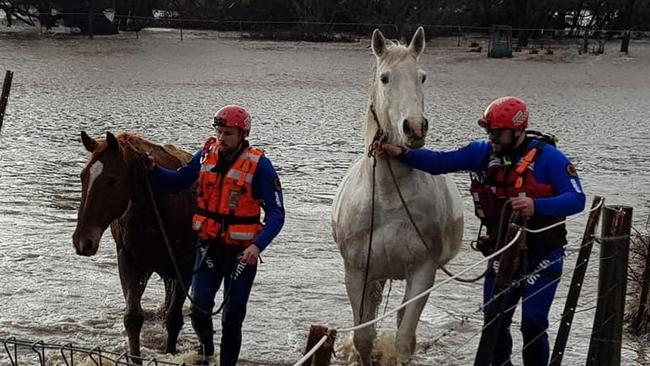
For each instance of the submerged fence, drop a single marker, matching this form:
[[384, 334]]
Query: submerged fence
[[24, 352], [608, 303]]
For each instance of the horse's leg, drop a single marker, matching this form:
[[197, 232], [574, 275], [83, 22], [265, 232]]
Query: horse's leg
[[174, 315], [363, 338], [131, 278], [419, 280]]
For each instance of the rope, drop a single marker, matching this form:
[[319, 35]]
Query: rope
[[431, 289], [170, 251], [370, 236], [425, 292], [452, 277], [534, 294], [535, 231], [417, 230], [311, 351], [405, 206]]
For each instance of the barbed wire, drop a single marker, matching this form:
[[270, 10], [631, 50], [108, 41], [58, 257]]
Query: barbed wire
[[506, 310], [40, 347], [516, 283], [520, 229]]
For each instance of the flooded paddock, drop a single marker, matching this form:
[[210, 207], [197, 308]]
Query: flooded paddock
[[308, 101]]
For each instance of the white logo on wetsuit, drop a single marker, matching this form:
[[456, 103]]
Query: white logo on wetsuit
[[540, 267]]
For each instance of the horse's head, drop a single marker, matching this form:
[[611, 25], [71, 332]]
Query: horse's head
[[397, 89], [106, 188]]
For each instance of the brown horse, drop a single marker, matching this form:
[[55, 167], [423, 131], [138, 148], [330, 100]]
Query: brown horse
[[115, 192]]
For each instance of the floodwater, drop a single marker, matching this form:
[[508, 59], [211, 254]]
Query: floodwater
[[308, 101]]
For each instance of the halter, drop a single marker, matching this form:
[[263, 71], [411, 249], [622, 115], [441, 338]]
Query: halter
[[380, 135]]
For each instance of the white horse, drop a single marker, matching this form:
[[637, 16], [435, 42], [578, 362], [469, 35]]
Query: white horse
[[434, 202]]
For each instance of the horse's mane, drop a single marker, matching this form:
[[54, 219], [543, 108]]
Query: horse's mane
[[134, 146], [133, 140]]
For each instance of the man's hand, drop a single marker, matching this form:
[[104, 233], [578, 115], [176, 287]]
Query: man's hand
[[525, 205], [250, 255], [386, 151]]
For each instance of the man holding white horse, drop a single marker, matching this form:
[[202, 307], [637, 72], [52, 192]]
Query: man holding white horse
[[527, 172], [235, 182]]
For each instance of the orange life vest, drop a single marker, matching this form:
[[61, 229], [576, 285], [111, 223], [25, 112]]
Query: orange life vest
[[226, 209]]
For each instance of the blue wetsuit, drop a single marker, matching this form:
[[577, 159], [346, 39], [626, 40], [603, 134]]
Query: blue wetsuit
[[216, 262], [545, 253]]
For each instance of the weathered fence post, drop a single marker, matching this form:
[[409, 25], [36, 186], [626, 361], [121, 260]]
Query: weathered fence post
[[576, 283], [90, 19], [625, 41], [4, 97], [323, 356], [607, 333], [645, 287]]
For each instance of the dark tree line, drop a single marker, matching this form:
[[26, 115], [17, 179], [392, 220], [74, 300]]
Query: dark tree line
[[524, 15]]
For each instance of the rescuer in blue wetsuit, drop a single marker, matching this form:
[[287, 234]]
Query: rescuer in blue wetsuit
[[235, 183], [538, 181]]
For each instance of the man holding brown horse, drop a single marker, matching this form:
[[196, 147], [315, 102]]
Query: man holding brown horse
[[235, 182]]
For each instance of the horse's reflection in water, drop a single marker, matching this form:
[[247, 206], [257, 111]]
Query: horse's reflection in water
[[114, 192]]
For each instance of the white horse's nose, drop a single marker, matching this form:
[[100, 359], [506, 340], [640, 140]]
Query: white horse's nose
[[415, 127]]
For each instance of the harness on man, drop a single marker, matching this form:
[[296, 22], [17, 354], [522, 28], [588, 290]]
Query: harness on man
[[504, 179]]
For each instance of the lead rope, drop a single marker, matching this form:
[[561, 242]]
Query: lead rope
[[408, 212], [379, 136], [163, 232]]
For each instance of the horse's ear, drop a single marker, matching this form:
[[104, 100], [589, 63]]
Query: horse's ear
[[417, 42], [89, 143], [378, 43], [112, 142]]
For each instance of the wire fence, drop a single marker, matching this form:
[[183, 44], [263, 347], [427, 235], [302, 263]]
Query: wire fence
[[70, 353], [305, 30]]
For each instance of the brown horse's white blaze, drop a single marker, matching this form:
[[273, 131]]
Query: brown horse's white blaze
[[434, 202], [104, 195]]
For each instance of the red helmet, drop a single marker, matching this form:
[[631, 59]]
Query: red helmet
[[505, 112], [233, 116]]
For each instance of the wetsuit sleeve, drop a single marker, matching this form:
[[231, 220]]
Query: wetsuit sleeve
[[554, 168], [177, 180], [471, 158], [267, 188]]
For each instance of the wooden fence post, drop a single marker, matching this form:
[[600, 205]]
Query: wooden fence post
[[645, 288], [4, 97], [90, 19], [607, 333], [576, 283], [323, 355], [625, 41]]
